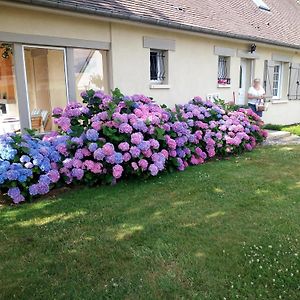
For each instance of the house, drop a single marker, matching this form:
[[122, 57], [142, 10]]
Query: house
[[170, 50]]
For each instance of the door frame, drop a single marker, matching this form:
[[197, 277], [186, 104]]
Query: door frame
[[249, 68]]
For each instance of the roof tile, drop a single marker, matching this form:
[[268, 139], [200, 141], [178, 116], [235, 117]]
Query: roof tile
[[240, 18]]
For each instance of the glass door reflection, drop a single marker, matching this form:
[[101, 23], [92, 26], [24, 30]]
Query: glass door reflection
[[46, 84]]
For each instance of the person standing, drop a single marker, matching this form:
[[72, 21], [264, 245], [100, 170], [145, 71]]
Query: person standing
[[256, 97]]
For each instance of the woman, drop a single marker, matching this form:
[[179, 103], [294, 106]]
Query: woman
[[256, 96]]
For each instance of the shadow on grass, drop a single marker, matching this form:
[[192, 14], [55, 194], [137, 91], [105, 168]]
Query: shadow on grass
[[169, 231]]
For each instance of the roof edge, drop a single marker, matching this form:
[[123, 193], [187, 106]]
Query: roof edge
[[151, 21]]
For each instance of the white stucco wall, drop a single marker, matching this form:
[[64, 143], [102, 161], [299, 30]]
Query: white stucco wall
[[193, 66]]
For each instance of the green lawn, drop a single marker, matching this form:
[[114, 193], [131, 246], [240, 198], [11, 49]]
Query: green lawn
[[294, 129], [224, 230]]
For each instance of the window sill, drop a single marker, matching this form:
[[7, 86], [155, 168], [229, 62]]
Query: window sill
[[224, 85], [160, 86]]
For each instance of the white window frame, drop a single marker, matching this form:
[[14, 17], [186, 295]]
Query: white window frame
[[162, 67], [279, 88]]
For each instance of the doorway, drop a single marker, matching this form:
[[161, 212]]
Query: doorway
[[246, 78]]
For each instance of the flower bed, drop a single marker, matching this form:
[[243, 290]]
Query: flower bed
[[109, 138]]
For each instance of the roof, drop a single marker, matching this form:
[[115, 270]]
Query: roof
[[241, 19]]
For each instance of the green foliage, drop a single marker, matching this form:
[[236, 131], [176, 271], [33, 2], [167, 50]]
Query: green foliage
[[112, 134], [273, 127], [160, 133], [228, 106], [117, 95], [31, 132]]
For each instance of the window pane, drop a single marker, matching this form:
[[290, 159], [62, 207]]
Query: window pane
[[9, 113], [90, 70], [153, 66], [276, 80], [46, 84], [223, 70], [158, 63]]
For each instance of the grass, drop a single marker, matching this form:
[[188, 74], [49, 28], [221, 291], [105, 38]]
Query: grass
[[223, 230], [294, 129]]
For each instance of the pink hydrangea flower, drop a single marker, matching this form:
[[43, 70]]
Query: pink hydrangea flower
[[108, 149], [134, 166], [137, 138], [124, 146], [126, 157], [143, 164], [117, 171]]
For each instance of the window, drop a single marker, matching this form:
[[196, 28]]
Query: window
[[277, 80], [262, 5], [158, 63], [90, 70], [46, 84], [9, 111], [224, 70]]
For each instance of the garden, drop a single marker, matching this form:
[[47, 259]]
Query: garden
[[112, 137], [130, 199]]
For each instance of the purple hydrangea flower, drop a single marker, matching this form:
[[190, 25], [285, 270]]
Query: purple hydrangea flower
[[99, 154], [144, 145], [53, 175], [77, 173], [135, 151], [153, 169], [15, 194], [92, 135], [125, 128], [93, 147]]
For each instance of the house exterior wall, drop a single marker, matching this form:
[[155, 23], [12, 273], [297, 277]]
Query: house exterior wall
[[192, 67]]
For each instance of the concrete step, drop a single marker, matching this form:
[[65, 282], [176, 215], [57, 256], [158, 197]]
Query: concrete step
[[276, 135], [291, 139], [282, 139]]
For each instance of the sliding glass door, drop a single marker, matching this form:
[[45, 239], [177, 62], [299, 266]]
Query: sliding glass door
[[46, 84], [34, 79], [9, 113]]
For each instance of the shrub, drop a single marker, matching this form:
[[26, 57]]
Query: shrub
[[28, 165], [110, 137]]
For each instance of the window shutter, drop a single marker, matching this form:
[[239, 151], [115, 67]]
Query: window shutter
[[268, 78], [294, 82]]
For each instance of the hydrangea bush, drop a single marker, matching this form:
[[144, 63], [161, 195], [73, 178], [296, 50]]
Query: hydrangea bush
[[28, 165], [110, 137]]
